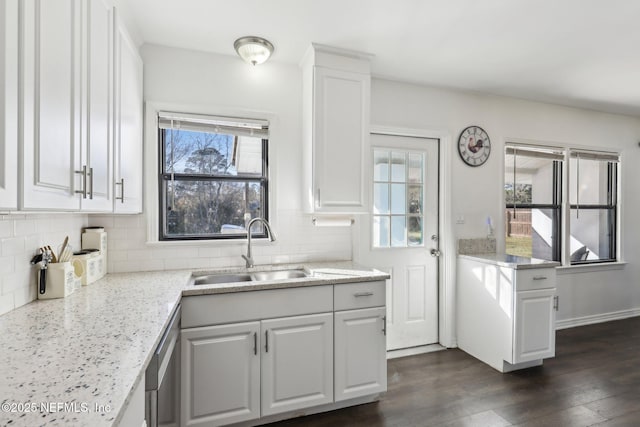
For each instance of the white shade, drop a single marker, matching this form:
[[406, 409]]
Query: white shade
[[254, 50]]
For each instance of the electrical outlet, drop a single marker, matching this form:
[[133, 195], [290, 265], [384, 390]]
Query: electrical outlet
[[460, 219]]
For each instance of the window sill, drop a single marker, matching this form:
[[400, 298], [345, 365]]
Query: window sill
[[588, 268], [258, 241]]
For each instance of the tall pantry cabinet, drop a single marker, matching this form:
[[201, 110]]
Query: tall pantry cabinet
[[71, 107]]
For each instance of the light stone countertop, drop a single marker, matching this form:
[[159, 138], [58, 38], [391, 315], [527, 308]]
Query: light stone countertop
[[511, 261], [91, 348]]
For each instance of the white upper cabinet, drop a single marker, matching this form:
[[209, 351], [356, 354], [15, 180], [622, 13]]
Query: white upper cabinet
[[128, 125], [97, 111], [9, 104], [50, 94], [81, 99], [336, 103]]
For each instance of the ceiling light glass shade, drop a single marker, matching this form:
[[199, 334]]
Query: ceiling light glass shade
[[254, 50]]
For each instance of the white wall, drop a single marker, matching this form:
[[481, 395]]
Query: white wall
[[477, 192], [20, 236], [217, 84]]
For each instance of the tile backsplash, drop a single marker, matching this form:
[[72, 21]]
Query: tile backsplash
[[298, 240], [477, 246], [20, 236]]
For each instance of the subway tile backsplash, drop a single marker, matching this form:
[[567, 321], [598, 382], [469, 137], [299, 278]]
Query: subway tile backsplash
[[297, 241], [20, 236]]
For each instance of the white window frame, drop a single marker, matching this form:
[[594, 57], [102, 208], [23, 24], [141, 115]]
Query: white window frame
[[151, 170], [566, 207]]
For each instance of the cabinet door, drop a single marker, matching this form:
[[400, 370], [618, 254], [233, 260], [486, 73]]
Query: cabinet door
[[360, 353], [534, 327], [220, 378], [297, 363], [97, 123], [9, 104], [340, 136], [50, 104], [128, 124]]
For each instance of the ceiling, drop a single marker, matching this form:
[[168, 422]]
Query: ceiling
[[582, 53]]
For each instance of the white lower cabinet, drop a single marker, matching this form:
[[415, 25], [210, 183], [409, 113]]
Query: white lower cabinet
[[506, 315], [535, 336], [259, 356], [360, 353], [228, 370], [220, 374], [297, 363]]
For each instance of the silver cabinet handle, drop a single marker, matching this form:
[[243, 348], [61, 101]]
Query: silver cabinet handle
[[91, 183], [363, 294], [255, 343], [539, 277], [384, 325], [266, 341], [83, 172], [121, 184], [556, 303]]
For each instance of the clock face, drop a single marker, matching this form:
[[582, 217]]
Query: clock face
[[474, 146]]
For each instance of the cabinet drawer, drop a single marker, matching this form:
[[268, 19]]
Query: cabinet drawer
[[359, 295], [535, 278], [202, 310]]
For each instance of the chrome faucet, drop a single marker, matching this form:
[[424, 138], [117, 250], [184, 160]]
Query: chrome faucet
[[272, 237]]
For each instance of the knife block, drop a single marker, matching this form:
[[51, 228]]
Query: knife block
[[60, 280]]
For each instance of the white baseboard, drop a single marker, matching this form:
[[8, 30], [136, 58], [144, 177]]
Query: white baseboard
[[597, 318]]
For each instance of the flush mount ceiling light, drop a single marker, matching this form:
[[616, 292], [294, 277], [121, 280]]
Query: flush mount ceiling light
[[254, 50]]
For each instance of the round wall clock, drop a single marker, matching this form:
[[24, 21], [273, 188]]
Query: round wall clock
[[474, 146]]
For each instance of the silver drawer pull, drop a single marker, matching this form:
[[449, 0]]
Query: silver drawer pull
[[540, 278], [363, 294]]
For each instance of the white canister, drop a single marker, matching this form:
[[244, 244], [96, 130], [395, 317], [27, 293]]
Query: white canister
[[92, 239], [91, 265], [60, 280]]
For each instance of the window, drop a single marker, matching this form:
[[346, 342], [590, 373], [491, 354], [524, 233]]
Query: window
[[533, 195], [593, 202], [398, 189], [213, 176], [535, 205]]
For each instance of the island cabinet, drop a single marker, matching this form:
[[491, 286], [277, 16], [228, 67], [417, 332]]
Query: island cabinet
[[336, 104], [506, 312], [260, 356]]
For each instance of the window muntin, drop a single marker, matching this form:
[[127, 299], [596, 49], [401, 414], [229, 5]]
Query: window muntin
[[398, 188], [533, 189], [213, 176], [593, 207]]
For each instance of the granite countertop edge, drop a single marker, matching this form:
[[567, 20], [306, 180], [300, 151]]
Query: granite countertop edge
[[511, 261]]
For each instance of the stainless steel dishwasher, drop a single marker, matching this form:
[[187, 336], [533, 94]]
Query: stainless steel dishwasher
[[162, 378]]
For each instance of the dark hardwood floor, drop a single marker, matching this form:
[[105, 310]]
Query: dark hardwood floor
[[593, 380]]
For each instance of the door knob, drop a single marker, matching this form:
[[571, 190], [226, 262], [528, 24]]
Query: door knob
[[435, 252]]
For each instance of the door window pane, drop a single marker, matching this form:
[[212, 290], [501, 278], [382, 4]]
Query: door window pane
[[398, 231], [397, 205], [380, 198], [398, 199], [380, 165], [398, 173]]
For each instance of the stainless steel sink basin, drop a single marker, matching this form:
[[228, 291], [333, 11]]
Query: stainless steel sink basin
[[278, 275], [212, 279], [258, 276]]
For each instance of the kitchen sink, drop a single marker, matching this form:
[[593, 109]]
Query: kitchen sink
[[211, 279], [258, 276], [279, 275]]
